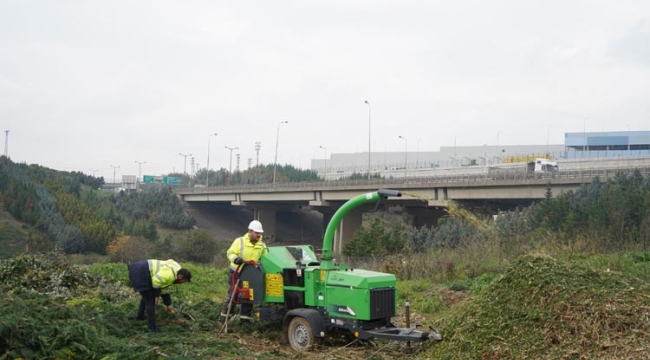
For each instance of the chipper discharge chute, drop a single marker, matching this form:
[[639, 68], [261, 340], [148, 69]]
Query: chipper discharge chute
[[315, 299]]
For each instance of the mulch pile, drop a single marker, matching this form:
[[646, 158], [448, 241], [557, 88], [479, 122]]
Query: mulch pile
[[542, 308]]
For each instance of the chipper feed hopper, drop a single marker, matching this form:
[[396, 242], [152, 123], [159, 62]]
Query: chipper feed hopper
[[317, 298]]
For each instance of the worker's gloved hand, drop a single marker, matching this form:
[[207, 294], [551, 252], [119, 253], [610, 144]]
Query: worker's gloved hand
[[238, 260], [169, 309]]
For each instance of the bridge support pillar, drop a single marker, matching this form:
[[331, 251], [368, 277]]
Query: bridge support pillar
[[349, 225], [426, 216], [267, 217]]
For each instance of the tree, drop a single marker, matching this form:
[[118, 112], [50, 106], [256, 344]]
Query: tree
[[125, 248], [197, 245]]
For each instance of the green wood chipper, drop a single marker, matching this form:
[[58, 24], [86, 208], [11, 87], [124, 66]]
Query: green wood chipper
[[315, 298]]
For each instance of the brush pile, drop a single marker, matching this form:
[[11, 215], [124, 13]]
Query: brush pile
[[50, 309], [546, 309]]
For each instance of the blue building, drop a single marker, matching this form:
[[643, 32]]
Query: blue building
[[606, 144]]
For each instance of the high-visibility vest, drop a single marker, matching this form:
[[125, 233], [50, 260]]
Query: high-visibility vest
[[163, 272], [245, 249]]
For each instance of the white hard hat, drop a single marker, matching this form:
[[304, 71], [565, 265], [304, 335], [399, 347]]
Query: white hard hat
[[256, 226]]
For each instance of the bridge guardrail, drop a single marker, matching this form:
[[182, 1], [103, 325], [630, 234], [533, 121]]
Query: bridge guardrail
[[496, 175]]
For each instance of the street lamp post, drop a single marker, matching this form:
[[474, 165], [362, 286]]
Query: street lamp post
[[184, 162], [324, 148], [231, 149], [367, 103], [584, 136], [548, 132], [498, 157], [406, 142], [137, 183], [207, 167], [277, 139]]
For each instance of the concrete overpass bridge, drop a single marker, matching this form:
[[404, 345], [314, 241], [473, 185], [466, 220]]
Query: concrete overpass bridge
[[425, 198]]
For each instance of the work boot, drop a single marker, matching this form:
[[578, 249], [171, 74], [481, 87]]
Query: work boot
[[154, 330], [140, 318]]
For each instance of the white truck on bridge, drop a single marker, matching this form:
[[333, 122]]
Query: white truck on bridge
[[542, 165]]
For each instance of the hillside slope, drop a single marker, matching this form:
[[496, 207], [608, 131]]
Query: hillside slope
[[12, 235]]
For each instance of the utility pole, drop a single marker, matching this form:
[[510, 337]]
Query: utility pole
[[184, 162], [93, 171], [7, 144], [258, 146]]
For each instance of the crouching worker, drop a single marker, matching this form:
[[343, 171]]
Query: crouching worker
[[245, 248], [150, 278]]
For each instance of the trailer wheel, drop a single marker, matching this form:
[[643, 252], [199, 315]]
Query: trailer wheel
[[300, 334]]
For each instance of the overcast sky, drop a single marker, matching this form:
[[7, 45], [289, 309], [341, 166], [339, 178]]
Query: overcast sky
[[92, 85]]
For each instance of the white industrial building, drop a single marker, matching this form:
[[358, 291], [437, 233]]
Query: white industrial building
[[451, 159]]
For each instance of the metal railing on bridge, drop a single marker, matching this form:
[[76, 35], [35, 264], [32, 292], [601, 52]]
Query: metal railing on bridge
[[515, 176]]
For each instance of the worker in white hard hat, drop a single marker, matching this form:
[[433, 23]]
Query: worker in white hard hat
[[244, 248]]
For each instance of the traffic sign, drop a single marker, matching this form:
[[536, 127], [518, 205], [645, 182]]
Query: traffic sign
[[170, 180], [147, 179]]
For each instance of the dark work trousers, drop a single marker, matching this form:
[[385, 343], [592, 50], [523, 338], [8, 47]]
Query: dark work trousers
[[246, 309], [148, 304]]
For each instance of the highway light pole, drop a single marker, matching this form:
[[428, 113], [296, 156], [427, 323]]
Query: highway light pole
[[137, 183], [324, 148], [184, 162], [406, 145], [548, 132], [584, 136], [231, 149], [207, 167], [277, 139], [367, 103]]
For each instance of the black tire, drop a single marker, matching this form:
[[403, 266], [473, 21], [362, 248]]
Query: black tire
[[301, 337]]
